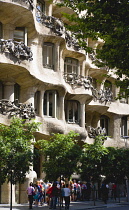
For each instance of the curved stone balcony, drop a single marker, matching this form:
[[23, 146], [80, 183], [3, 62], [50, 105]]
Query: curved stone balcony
[[25, 3], [57, 27], [18, 13]]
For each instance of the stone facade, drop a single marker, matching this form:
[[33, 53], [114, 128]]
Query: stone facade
[[46, 75]]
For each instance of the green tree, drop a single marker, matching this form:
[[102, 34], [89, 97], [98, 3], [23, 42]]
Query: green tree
[[62, 154], [16, 149], [91, 160], [107, 20], [115, 164]]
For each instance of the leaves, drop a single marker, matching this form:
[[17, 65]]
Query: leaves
[[107, 20], [62, 153], [16, 149]]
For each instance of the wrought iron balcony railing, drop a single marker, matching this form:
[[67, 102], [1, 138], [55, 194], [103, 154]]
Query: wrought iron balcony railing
[[18, 49], [10, 109], [57, 26], [104, 95]]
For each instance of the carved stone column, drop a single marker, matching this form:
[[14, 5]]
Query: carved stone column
[[41, 103], [9, 91], [61, 109], [115, 122], [57, 54], [82, 115]]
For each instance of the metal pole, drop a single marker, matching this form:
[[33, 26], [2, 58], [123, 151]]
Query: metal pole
[[11, 193]]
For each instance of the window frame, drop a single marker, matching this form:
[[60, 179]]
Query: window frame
[[71, 104], [73, 65], [50, 103], [105, 123], [43, 6], [1, 30], [48, 62], [22, 38]]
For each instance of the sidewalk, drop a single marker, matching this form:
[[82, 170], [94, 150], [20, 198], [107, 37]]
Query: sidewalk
[[79, 205]]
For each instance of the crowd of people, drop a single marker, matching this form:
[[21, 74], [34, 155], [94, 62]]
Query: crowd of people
[[53, 194]]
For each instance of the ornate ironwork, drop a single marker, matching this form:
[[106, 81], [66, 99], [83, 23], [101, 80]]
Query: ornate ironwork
[[18, 49], [74, 79], [51, 22], [24, 111], [57, 26], [93, 132], [104, 95]]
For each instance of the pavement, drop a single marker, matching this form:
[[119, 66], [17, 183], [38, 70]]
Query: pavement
[[78, 205]]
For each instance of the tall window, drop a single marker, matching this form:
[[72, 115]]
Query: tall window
[[37, 101], [1, 32], [50, 106], [41, 6], [72, 111], [104, 123], [16, 91], [1, 90], [48, 55], [70, 70], [123, 126], [71, 66], [20, 35]]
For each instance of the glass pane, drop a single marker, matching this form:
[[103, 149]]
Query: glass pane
[[45, 55], [19, 35], [0, 30], [69, 69], [45, 104], [50, 104], [41, 6], [16, 91], [50, 56]]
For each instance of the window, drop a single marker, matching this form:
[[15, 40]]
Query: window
[[37, 101], [70, 70], [50, 106], [104, 123], [123, 127], [71, 66], [16, 91], [48, 55], [1, 90], [41, 6], [20, 35], [72, 111], [1, 32]]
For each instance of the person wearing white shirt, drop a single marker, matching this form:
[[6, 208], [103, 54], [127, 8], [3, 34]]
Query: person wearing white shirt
[[67, 196]]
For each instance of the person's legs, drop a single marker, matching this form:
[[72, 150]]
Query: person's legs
[[54, 202], [51, 203], [30, 197]]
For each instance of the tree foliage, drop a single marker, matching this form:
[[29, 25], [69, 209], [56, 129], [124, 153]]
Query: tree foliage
[[62, 154], [115, 164], [16, 149], [91, 160], [107, 20]]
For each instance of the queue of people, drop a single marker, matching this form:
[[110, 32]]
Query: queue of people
[[53, 194]]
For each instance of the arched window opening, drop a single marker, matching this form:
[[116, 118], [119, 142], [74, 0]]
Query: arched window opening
[[50, 105], [72, 112], [104, 123]]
